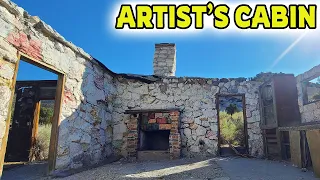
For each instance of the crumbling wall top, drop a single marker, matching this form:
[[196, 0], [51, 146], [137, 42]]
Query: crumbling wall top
[[40, 26]]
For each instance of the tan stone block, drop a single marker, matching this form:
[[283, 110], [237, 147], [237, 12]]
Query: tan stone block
[[193, 126], [204, 119]]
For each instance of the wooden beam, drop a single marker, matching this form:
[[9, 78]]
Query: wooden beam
[[56, 123], [41, 83], [150, 110], [302, 127], [35, 125], [228, 95], [39, 64], [6, 134]]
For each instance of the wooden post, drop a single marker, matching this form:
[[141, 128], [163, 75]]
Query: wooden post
[[6, 134], [56, 123], [295, 148], [35, 126], [313, 137]]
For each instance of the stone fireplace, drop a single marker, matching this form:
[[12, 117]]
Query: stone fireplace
[[153, 134]]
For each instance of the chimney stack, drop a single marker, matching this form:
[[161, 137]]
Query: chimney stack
[[164, 62]]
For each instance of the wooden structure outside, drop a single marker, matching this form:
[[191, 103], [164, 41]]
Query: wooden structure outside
[[313, 137], [19, 141], [278, 108], [305, 146], [284, 136], [24, 128]]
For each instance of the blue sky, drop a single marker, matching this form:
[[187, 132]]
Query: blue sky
[[88, 25]]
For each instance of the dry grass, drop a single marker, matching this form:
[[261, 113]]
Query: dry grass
[[40, 150]]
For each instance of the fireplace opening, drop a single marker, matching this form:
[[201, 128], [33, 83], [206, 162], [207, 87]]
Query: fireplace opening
[[154, 140]]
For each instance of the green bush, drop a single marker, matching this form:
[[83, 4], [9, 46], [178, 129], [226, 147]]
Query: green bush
[[46, 114], [232, 127]]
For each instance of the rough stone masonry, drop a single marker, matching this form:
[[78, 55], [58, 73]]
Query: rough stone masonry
[[310, 112], [93, 123], [164, 63]]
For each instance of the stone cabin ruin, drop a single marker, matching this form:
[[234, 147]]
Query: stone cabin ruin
[[98, 113]]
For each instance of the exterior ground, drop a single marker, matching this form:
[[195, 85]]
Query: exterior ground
[[258, 169], [208, 169]]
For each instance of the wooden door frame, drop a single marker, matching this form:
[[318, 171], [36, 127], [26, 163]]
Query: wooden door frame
[[244, 119], [56, 116]]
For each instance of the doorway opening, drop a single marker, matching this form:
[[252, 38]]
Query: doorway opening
[[32, 126], [232, 125]]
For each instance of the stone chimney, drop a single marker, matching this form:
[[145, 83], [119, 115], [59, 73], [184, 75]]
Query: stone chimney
[[164, 62]]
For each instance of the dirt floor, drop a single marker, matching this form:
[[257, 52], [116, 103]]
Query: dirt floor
[[29, 171], [258, 169], [182, 169]]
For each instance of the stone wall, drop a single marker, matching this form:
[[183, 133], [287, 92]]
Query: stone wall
[[195, 97], [95, 99], [85, 133], [310, 112]]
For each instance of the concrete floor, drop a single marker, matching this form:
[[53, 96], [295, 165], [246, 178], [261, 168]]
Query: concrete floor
[[208, 169]]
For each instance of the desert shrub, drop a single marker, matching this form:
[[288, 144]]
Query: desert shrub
[[46, 113], [232, 127], [231, 109], [40, 149]]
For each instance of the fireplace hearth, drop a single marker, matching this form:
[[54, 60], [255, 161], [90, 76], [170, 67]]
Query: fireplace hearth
[[154, 140], [153, 134]]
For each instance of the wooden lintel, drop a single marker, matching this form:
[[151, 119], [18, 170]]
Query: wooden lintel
[[302, 127], [138, 111]]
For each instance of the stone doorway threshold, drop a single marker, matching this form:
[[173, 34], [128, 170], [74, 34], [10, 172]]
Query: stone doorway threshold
[[153, 155]]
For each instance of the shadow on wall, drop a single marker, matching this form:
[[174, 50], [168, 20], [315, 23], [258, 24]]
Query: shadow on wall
[[85, 132]]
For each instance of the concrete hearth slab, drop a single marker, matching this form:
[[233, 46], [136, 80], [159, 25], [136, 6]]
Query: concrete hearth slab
[[153, 155]]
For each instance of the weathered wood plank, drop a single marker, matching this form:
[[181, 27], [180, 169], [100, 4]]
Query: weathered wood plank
[[302, 127], [137, 111], [5, 137], [313, 137], [295, 148], [35, 124], [56, 123]]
